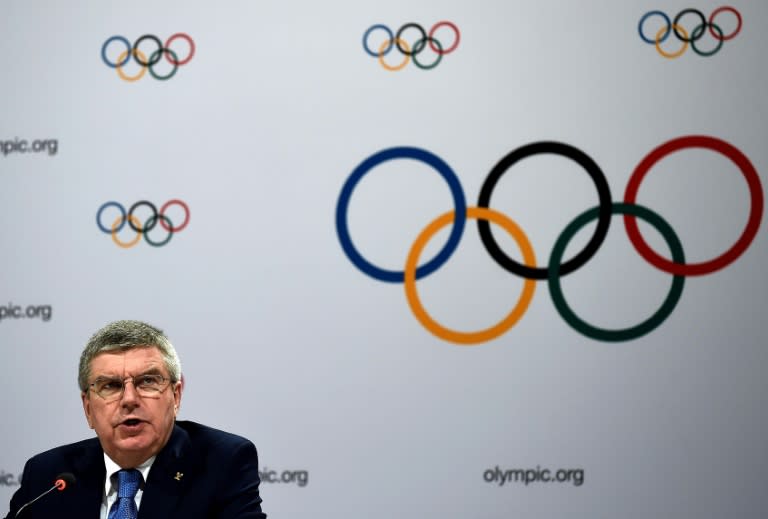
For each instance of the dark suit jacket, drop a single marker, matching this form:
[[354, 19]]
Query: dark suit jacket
[[201, 472]]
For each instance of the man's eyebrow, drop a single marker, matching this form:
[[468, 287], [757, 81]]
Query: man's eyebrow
[[154, 370], [107, 376]]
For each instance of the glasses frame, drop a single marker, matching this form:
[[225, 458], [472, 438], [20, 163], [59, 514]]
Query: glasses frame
[[165, 382]]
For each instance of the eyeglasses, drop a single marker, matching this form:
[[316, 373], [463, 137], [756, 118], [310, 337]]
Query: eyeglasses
[[147, 385]]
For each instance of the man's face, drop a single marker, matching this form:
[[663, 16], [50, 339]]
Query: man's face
[[133, 427]]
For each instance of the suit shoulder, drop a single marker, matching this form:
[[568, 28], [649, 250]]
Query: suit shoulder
[[203, 434], [68, 451]]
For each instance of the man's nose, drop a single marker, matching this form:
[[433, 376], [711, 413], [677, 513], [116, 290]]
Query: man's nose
[[130, 394]]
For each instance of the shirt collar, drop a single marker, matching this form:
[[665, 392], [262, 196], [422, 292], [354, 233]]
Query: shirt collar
[[113, 467]]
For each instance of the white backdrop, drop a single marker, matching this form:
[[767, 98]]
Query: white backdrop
[[284, 340]]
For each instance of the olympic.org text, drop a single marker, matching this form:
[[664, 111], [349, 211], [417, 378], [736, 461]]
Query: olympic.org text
[[299, 477], [11, 311], [50, 146], [537, 475], [9, 480]]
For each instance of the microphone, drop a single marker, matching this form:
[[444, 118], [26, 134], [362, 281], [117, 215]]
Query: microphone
[[63, 480]]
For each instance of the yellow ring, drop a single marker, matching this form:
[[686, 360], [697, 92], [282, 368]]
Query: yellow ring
[[394, 67], [119, 68], [674, 54], [126, 245], [468, 338]]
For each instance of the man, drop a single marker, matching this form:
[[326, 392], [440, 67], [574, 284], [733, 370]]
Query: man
[[143, 464]]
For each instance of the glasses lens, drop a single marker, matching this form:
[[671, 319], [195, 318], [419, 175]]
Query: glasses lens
[[108, 387], [149, 384]]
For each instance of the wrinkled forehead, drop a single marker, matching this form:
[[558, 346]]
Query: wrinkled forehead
[[134, 361]]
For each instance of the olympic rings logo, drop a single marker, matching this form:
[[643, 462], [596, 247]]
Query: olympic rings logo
[[411, 51], [133, 51], [689, 37], [142, 229], [555, 268]]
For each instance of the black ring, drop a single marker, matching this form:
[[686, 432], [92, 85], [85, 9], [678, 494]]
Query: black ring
[[136, 47], [400, 32], [683, 13], [152, 218], [603, 221]]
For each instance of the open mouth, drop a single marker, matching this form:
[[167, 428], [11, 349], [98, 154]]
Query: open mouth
[[132, 422]]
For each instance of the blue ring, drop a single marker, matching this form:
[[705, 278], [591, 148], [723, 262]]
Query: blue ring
[[104, 51], [460, 207], [369, 31], [101, 210], [648, 15]]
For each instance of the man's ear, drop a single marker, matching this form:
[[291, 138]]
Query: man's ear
[[87, 407], [178, 388]]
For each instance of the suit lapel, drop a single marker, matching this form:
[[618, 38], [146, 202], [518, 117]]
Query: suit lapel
[[168, 478], [90, 473]]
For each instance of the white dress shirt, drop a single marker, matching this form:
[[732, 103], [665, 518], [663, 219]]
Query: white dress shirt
[[110, 485]]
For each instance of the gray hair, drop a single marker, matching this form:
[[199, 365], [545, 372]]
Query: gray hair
[[123, 336]]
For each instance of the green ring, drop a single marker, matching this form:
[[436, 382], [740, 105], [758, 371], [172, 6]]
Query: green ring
[[416, 49], [646, 326], [151, 223], [696, 34], [175, 65]]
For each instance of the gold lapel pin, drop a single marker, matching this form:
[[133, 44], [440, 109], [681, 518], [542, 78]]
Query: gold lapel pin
[[178, 476]]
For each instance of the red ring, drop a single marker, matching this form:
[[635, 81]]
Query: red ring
[[186, 218], [167, 45], [750, 230], [455, 43], [718, 11]]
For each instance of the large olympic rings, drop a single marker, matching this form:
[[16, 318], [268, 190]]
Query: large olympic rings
[[747, 235], [139, 228], [687, 37], [459, 203], [529, 286], [556, 268], [603, 193], [141, 57], [649, 324], [411, 51]]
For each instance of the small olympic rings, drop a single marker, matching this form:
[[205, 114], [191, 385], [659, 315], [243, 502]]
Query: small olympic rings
[[556, 267], [135, 224], [140, 57], [692, 37], [425, 40]]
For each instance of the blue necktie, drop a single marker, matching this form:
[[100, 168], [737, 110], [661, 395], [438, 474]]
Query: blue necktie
[[128, 482]]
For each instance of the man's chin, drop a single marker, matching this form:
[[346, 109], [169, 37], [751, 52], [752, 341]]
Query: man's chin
[[134, 438], [129, 452]]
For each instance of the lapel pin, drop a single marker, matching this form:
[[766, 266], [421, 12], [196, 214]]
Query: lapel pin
[[178, 476]]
